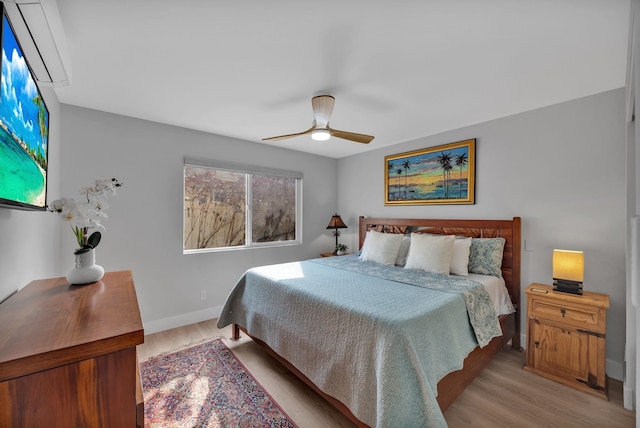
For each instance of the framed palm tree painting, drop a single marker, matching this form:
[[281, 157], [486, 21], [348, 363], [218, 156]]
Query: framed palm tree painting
[[436, 175]]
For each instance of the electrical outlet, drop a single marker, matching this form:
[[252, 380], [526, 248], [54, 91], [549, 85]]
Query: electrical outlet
[[203, 294]]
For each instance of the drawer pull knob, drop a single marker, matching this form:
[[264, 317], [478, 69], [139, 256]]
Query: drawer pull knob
[[563, 312]]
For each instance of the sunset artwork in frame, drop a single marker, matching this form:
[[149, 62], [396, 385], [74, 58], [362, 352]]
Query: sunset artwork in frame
[[436, 175]]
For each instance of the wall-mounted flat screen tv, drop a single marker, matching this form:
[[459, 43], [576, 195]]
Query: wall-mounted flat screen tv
[[24, 130]]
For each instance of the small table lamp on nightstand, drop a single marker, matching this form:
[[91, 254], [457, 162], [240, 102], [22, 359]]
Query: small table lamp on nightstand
[[336, 223], [568, 271]]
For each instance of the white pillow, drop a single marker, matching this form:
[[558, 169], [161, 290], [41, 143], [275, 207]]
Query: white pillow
[[460, 256], [431, 253], [401, 259], [381, 247]]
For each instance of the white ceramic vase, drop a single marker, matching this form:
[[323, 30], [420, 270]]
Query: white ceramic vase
[[86, 270]]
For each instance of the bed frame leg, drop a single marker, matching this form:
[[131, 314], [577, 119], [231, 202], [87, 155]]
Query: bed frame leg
[[235, 332]]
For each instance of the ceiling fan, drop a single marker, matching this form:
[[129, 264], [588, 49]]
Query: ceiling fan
[[322, 107]]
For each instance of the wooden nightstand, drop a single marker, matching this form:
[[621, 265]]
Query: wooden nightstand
[[566, 337]]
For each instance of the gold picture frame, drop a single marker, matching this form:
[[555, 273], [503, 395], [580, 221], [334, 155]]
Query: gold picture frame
[[437, 175]]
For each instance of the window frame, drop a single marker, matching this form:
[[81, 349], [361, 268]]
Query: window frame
[[249, 171]]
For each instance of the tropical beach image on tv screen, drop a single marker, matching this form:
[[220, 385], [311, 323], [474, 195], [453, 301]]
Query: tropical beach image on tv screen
[[24, 124]]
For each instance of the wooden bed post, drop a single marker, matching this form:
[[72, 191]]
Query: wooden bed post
[[235, 332], [516, 278]]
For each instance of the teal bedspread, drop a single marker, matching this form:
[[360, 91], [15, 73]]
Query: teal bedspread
[[377, 338]]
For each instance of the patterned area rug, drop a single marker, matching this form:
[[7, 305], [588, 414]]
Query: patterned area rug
[[206, 386]]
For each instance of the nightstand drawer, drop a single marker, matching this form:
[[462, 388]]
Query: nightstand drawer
[[580, 317]]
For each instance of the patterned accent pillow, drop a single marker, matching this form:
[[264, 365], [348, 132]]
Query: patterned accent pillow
[[485, 256]]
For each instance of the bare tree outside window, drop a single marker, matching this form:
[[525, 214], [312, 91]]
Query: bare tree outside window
[[273, 208], [215, 208]]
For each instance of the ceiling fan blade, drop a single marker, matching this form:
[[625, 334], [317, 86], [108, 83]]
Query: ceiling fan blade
[[322, 107], [284, 137], [351, 136]]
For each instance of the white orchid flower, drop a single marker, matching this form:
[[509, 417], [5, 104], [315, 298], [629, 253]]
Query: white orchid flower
[[89, 211]]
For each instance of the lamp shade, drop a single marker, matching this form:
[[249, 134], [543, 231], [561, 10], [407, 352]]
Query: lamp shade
[[568, 265], [336, 223]]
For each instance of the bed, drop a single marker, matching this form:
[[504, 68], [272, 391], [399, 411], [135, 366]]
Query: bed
[[388, 344]]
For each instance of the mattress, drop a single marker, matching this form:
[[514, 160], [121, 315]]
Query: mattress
[[497, 292]]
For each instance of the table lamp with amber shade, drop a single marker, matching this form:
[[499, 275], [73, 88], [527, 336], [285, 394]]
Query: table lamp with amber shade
[[568, 271], [336, 223]]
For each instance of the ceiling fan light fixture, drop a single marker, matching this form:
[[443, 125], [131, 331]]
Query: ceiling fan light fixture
[[322, 106], [320, 134]]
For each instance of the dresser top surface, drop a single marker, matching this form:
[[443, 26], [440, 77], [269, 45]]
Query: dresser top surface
[[62, 321]]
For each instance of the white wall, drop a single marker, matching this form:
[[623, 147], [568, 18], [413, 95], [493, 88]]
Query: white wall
[[560, 168], [144, 229], [30, 240], [632, 92]]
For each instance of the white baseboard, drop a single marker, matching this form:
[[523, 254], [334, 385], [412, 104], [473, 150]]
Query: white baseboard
[[181, 320], [614, 369], [629, 398]]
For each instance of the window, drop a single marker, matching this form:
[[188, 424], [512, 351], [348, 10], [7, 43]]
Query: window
[[235, 206]]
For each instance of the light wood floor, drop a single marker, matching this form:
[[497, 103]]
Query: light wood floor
[[503, 395]]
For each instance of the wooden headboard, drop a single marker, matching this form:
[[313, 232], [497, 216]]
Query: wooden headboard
[[507, 229]]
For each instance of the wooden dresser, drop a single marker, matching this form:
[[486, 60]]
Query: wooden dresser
[[566, 337], [68, 354]]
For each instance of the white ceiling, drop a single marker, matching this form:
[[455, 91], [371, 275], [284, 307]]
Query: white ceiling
[[399, 70]]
